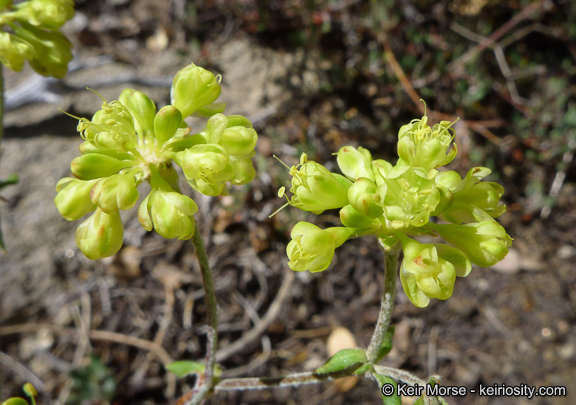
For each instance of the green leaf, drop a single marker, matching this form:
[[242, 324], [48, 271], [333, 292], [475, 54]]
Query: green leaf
[[385, 383], [386, 343], [30, 390], [11, 179], [184, 368], [347, 359], [419, 401], [15, 401]]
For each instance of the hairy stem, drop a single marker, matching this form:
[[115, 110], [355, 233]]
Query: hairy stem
[[210, 295], [1, 101], [290, 380], [390, 272]]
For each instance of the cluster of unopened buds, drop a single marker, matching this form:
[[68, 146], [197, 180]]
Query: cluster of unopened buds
[[34, 35], [128, 142], [396, 203]]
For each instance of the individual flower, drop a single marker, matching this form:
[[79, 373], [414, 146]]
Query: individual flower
[[315, 188], [52, 50], [430, 270], [471, 193], [408, 196], [14, 51], [485, 242], [170, 213], [361, 197], [195, 89], [312, 248], [420, 145], [73, 200], [116, 192], [46, 14], [101, 235], [206, 167], [355, 163]]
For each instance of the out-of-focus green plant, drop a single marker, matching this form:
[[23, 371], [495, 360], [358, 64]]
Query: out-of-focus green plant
[[93, 382], [30, 33]]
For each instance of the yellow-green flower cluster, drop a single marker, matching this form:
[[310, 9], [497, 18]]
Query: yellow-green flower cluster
[[128, 142], [396, 203], [30, 33]]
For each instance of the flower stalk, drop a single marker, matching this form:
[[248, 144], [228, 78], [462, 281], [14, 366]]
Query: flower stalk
[[388, 295], [207, 380]]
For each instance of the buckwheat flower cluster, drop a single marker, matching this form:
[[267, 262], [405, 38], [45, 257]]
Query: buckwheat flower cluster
[[396, 203], [30, 33], [128, 142]]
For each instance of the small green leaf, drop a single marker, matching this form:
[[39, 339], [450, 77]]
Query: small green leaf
[[419, 401], [347, 359], [389, 389], [30, 390], [15, 401], [11, 179], [184, 368], [386, 343]]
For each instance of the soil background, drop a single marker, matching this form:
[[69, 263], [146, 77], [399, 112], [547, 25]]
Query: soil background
[[313, 77]]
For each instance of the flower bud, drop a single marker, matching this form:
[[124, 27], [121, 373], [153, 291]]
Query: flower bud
[[14, 51], [115, 192], [101, 235], [170, 213], [239, 141], [312, 248], [215, 128], [88, 147], [142, 110], [206, 167], [73, 198], [355, 163], [244, 171], [96, 165], [316, 189], [351, 218], [361, 197], [484, 242], [47, 14], [166, 122], [52, 51], [193, 88]]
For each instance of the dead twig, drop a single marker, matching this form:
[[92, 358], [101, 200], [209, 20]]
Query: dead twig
[[22, 371], [102, 335], [478, 126], [459, 63], [250, 337]]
